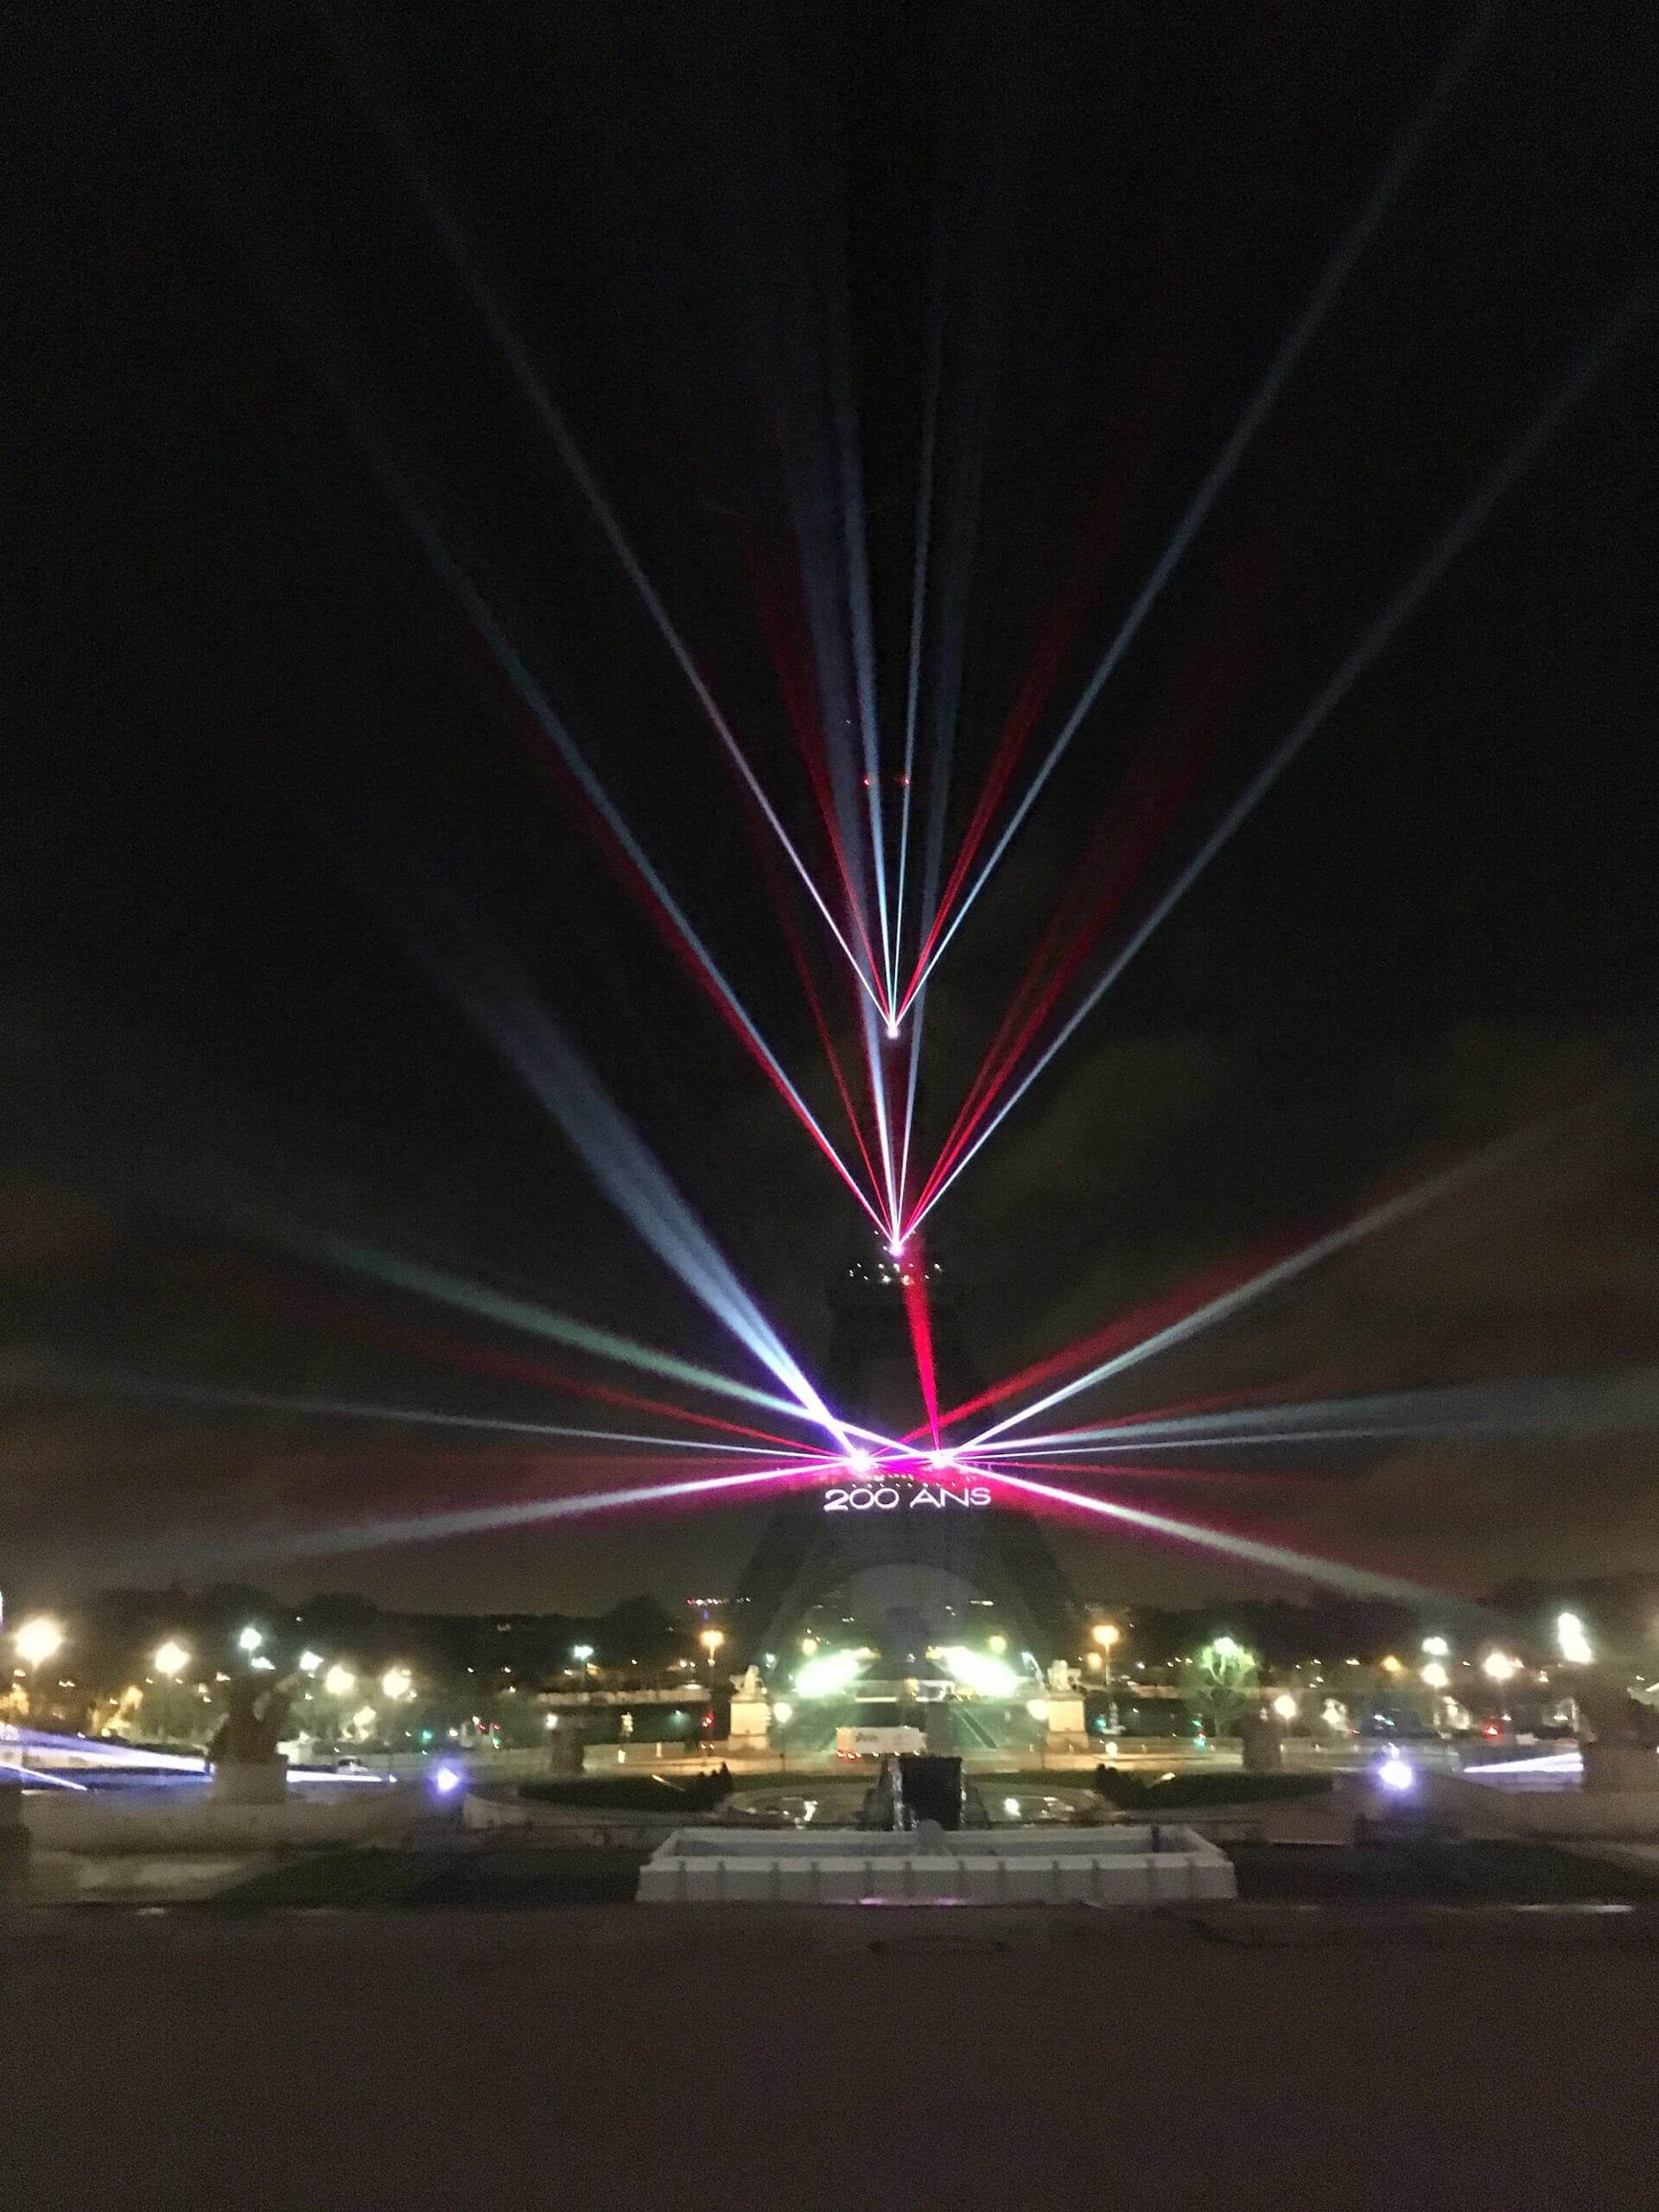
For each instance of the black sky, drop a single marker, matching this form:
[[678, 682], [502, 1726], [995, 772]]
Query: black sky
[[257, 742]]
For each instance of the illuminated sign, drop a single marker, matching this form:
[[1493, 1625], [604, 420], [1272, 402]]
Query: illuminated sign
[[903, 1497]]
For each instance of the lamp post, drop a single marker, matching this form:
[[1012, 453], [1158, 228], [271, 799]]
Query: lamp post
[[37, 1640]]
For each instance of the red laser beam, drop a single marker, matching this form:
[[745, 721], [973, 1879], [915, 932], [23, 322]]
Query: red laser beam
[[913, 1278]]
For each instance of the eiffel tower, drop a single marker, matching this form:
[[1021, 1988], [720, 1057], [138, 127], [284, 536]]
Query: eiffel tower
[[806, 1550]]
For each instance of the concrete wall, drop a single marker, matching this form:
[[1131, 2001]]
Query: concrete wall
[[180, 1821], [1566, 1815]]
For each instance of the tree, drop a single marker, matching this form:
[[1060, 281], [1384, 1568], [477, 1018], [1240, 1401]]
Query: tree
[[1220, 1680]]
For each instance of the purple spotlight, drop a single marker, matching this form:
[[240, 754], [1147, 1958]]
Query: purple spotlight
[[447, 1780], [1396, 1773]]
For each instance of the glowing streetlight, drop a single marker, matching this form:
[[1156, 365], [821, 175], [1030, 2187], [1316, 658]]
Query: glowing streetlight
[[1226, 1647], [340, 1682], [363, 1719], [310, 1662], [1286, 1705], [711, 1639], [171, 1660], [1436, 1676], [1436, 1647], [1093, 1662], [809, 1645], [997, 1643], [250, 1638], [1106, 1634], [396, 1683], [1499, 1667], [582, 1653], [1573, 1641], [38, 1640], [783, 1711]]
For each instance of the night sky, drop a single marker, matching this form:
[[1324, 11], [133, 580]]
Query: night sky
[[265, 777]]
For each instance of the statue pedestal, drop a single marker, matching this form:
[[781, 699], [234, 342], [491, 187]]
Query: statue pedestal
[[250, 1782], [1067, 1731], [751, 1722], [1620, 1766], [1262, 1743]]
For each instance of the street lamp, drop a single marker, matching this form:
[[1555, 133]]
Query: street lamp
[[310, 1662], [1500, 1667], [251, 1638], [1436, 1647], [38, 1640], [396, 1683], [711, 1639], [1435, 1676], [809, 1645], [1286, 1705], [171, 1660], [997, 1643], [1106, 1634], [582, 1653], [340, 1682]]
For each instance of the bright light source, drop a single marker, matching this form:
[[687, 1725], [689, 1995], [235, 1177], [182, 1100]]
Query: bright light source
[[997, 1643], [310, 1662], [1226, 1647], [1036, 1708], [551, 1722], [582, 1653], [1011, 1807], [1093, 1662], [396, 1683], [941, 1461], [978, 1671], [1573, 1642], [828, 1675], [1500, 1667], [261, 1665], [250, 1638], [860, 1460], [1286, 1705], [446, 1780], [1396, 1773], [1436, 1647], [340, 1682], [171, 1659], [1435, 1675], [809, 1645], [1106, 1634], [38, 1640], [363, 1719], [1392, 1666], [783, 1711]]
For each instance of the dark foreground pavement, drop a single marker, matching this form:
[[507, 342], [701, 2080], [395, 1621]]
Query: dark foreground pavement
[[1255, 2057]]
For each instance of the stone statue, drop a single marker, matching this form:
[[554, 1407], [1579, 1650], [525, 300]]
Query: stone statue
[[1062, 1679], [255, 1716], [749, 1683]]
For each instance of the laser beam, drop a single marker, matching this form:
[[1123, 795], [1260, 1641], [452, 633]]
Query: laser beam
[[1276, 1559], [1402, 159], [1585, 371], [462, 255], [213, 1397], [1400, 1207]]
